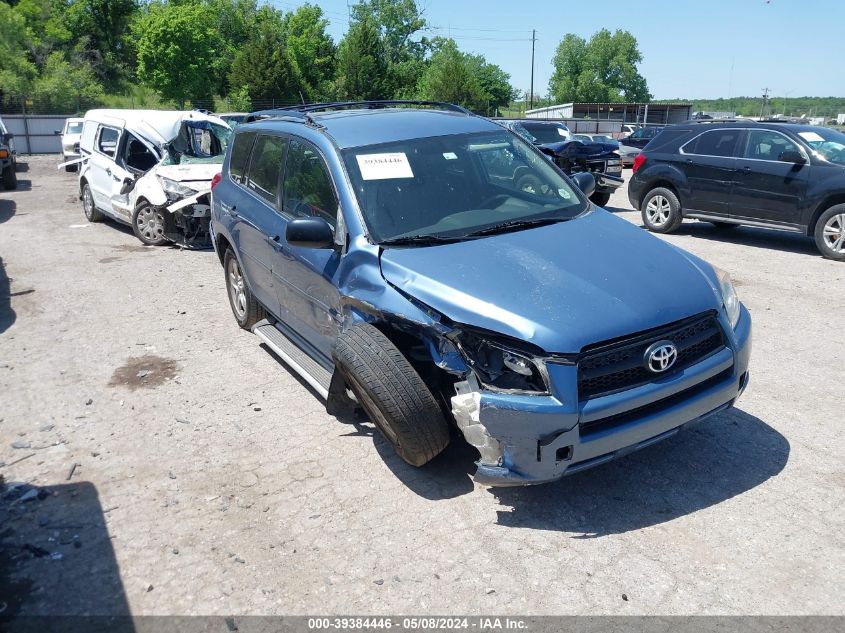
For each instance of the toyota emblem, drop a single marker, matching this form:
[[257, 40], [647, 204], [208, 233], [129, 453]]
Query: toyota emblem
[[660, 356]]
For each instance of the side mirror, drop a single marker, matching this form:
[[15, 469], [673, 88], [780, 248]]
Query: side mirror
[[127, 186], [310, 233], [585, 181], [57, 132], [8, 136], [791, 156]]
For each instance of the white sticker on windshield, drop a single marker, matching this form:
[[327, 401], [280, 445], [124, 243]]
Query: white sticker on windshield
[[563, 193], [384, 166], [811, 137], [450, 156]]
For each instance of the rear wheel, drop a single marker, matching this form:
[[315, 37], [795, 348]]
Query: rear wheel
[[148, 225], [392, 393], [830, 233], [10, 178], [246, 309], [661, 210], [600, 199], [91, 212]]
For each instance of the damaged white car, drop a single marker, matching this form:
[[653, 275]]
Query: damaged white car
[[152, 170]]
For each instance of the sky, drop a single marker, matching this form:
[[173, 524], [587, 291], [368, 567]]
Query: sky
[[691, 49]]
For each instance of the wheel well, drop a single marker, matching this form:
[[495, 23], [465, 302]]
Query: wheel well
[[82, 182], [824, 206], [222, 245]]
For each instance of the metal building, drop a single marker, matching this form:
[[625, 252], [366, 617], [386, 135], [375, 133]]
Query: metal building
[[641, 113]]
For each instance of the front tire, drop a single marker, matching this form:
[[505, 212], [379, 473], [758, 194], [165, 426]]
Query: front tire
[[148, 225], [392, 393], [600, 199], [245, 308], [91, 212], [661, 211], [830, 233], [10, 178]]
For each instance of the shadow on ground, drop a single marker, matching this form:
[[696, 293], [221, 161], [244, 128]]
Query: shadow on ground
[[751, 236], [725, 455], [7, 210], [7, 315], [57, 559]]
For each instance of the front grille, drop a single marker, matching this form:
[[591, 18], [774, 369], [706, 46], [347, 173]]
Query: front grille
[[596, 166], [617, 365]]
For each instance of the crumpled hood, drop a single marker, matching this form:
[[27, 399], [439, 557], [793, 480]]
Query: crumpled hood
[[578, 149], [196, 172], [560, 287]]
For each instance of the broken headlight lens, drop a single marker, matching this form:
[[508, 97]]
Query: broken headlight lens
[[499, 367], [729, 298], [174, 189]]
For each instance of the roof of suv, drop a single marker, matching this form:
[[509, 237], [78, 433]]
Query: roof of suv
[[374, 126]]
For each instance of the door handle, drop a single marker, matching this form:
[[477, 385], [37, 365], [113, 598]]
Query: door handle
[[108, 171], [275, 242]]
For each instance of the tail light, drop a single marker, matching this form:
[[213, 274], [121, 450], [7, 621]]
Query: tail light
[[639, 161], [217, 178]]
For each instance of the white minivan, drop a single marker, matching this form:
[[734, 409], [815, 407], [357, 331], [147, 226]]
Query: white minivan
[[152, 170]]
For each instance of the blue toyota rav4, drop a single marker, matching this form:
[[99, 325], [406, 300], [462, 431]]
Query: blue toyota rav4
[[385, 253]]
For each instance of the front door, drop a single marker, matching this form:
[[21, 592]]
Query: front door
[[102, 166], [766, 187], [708, 161], [307, 290]]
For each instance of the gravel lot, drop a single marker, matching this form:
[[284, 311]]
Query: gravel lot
[[210, 480]]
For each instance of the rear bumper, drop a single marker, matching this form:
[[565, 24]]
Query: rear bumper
[[536, 439]]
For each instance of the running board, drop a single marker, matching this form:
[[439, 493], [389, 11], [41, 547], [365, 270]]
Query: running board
[[294, 357]]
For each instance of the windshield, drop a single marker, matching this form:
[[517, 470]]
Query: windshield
[[74, 128], [198, 142], [548, 132], [829, 144], [452, 186]]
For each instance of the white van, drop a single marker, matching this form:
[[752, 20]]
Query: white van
[[151, 169]]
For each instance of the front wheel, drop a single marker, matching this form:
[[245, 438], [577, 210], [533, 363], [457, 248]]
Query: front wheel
[[600, 199], [830, 233], [10, 178], [148, 225], [661, 210], [392, 393]]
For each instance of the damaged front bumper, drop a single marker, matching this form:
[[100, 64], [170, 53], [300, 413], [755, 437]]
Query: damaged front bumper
[[531, 439], [187, 221]]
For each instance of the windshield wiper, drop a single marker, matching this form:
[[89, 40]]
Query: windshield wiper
[[419, 240], [514, 225]]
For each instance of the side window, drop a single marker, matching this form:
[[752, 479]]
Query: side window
[[768, 145], [265, 166], [714, 143], [308, 190], [240, 156], [137, 157], [107, 141]]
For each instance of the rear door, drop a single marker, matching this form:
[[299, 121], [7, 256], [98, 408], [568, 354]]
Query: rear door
[[709, 162], [766, 187], [257, 223]]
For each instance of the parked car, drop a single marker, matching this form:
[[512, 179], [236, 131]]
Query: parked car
[[788, 177], [391, 258], [627, 154], [597, 138], [640, 137], [573, 155], [233, 119], [152, 170], [8, 158], [70, 133]]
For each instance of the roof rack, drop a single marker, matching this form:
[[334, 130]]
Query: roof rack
[[306, 108], [731, 120]]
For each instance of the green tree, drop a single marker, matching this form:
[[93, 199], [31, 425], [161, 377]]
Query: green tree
[[311, 48], [603, 69], [101, 31], [16, 70], [494, 82], [177, 50], [234, 21], [239, 101], [361, 63], [63, 86], [450, 77], [265, 65]]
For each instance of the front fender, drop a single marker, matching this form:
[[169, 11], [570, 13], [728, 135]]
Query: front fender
[[149, 188]]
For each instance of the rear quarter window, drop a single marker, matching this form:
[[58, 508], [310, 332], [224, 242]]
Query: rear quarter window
[[240, 156], [667, 139], [714, 143]]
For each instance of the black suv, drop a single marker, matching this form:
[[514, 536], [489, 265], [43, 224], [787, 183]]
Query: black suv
[[772, 175]]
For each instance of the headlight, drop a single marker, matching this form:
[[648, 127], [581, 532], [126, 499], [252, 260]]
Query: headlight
[[499, 367], [729, 298], [174, 189]]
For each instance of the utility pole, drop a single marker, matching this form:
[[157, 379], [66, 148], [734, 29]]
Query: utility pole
[[533, 39], [765, 99]]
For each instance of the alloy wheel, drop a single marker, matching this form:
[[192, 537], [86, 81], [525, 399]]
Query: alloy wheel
[[658, 210], [833, 233], [237, 290]]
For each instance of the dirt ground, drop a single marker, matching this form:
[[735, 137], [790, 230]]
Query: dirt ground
[[159, 460]]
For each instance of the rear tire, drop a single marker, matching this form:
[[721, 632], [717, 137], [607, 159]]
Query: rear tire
[[91, 212], [661, 210], [246, 310], [830, 233], [148, 225], [10, 178], [600, 199], [392, 393]]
